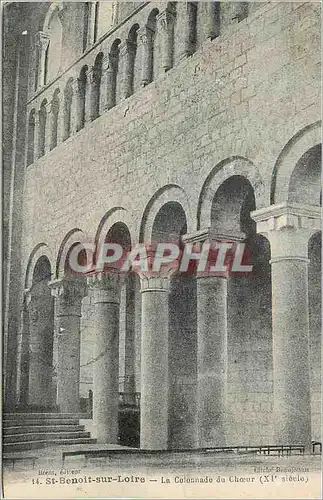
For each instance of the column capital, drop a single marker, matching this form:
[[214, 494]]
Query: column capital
[[288, 227], [69, 294], [145, 35], [166, 18], [156, 280], [209, 234], [42, 40], [105, 287]]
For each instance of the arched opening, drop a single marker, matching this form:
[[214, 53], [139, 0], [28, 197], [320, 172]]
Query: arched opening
[[42, 128], [315, 329], [304, 185], [55, 105], [31, 138], [54, 50], [41, 390], [68, 96], [169, 225], [82, 89], [249, 338], [95, 86]]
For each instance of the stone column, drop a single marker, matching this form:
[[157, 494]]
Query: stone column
[[154, 362], [49, 126], [41, 332], [90, 79], [212, 352], [288, 229], [37, 152], [212, 23], [165, 28], [146, 47], [23, 356], [212, 358], [111, 80], [105, 290], [68, 295], [42, 42], [75, 104], [127, 56], [184, 42]]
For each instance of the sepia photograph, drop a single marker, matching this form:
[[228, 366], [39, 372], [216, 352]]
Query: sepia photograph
[[161, 256]]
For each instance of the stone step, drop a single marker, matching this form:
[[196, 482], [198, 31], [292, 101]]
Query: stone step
[[31, 421], [41, 436], [41, 416], [25, 429], [34, 445]]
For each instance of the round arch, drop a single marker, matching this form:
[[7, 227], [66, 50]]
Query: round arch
[[114, 216], [296, 147], [54, 6], [234, 166], [41, 250], [167, 194], [71, 239]]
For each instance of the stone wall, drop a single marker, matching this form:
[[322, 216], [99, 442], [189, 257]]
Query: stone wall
[[243, 94]]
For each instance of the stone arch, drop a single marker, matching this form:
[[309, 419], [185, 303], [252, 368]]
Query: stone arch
[[234, 166], [114, 216], [170, 193], [289, 157], [72, 238], [41, 250]]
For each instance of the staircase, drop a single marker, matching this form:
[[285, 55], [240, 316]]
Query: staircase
[[30, 431]]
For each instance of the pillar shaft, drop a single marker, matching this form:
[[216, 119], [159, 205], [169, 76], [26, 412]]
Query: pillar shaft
[[165, 23], [154, 364], [40, 313], [146, 48], [68, 294], [105, 291], [292, 405], [211, 360], [288, 229]]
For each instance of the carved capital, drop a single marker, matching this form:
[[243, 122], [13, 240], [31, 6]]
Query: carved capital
[[209, 235], [288, 228], [165, 19], [68, 294], [145, 35], [105, 287], [42, 40], [155, 280]]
